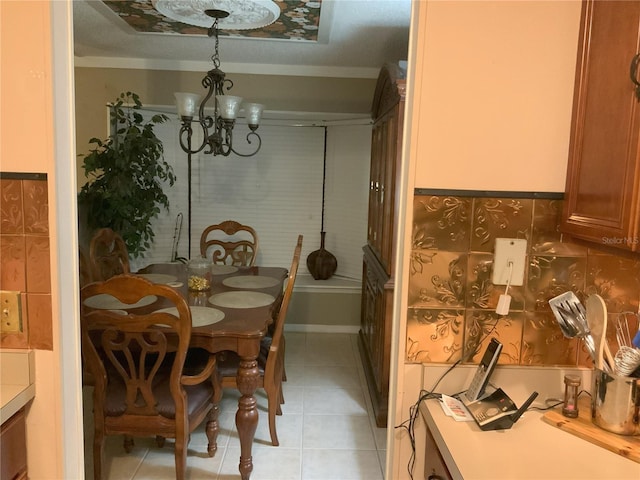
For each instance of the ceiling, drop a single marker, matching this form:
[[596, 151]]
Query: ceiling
[[336, 38]]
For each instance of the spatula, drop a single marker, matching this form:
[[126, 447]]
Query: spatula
[[597, 321]]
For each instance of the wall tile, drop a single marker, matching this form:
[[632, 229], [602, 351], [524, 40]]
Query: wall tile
[[452, 299], [550, 276], [499, 218], [544, 343], [25, 256], [38, 267], [11, 217], [36, 207], [440, 281], [434, 335], [442, 223], [481, 292], [482, 325], [616, 279], [12, 263], [40, 321]]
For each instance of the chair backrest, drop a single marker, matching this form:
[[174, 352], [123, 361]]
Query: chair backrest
[[125, 352], [229, 243], [274, 357], [108, 255]]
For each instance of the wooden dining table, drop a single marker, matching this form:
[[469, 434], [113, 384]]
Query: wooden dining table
[[242, 303]]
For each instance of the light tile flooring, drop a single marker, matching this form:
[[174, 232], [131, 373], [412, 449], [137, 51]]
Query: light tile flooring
[[326, 431]]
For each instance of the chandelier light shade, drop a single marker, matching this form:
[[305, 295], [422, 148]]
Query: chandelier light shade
[[217, 130]]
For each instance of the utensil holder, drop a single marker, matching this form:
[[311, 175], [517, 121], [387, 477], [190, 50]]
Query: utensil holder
[[615, 403]]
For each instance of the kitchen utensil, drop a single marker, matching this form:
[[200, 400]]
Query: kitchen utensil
[[570, 314], [627, 359], [622, 330], [596, 314]]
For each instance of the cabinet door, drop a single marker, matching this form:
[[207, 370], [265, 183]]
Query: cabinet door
[[601, 203], [434, 465], [385, 153]]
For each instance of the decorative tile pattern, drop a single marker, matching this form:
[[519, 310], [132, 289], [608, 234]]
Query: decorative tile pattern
[[11, 218], [441, 223], [440, 281], [25, 256], [299, 20], [36, 207], [499, 218], [452, 298], [434, 335]]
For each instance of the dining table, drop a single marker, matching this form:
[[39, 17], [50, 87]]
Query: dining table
[[234, 313]]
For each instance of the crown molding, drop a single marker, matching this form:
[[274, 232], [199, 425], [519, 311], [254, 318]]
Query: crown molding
[[253, 68]]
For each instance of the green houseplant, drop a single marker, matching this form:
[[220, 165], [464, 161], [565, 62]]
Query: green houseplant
[[126, 172]]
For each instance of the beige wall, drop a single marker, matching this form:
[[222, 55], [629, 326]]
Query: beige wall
[[497, 86], [26, 92], [95, 87], [491, 85]]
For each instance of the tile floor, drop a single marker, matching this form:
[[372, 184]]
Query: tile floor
[[326, 431]]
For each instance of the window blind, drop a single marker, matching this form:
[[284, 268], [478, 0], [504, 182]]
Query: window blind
[[278, 192]]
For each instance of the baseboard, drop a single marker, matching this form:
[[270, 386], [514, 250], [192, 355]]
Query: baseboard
[[317, 328]]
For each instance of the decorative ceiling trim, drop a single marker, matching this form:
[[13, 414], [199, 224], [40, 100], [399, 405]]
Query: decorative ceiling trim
[[298, 20], [242, 68]]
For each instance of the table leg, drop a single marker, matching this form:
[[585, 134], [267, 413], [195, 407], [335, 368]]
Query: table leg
[[247, 378]]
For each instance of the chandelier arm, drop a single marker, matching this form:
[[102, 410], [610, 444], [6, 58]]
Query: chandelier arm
[[187, 132], [252, 133]]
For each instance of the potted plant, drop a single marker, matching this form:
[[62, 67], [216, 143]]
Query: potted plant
[[126, 172]]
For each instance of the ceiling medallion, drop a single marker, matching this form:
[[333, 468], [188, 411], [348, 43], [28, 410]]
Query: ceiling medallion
[[243, 14]]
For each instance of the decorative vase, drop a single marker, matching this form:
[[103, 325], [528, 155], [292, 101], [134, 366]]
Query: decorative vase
[[321, 263]]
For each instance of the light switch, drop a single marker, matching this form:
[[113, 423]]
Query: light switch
[[509, 250], [10, 312]]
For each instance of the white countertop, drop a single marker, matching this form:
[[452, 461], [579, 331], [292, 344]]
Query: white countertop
[[531, 449], [17, 381]]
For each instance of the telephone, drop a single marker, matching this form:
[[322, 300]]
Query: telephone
[[485, 369], [497, 411]]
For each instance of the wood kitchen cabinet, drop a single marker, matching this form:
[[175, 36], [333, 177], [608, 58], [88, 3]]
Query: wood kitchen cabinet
[[13, 448], [379, 253], [602, 198], [435, 467]]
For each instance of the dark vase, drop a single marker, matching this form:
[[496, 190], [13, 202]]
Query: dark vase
[[321, 263]]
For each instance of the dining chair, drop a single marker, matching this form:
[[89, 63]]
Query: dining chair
[[137, 361], [108, 255], [229, 243], [271, 358]]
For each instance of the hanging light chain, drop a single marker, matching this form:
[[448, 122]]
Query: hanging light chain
[[215, 58]]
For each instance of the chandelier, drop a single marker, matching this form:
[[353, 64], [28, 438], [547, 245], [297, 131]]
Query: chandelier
[[217, 130]]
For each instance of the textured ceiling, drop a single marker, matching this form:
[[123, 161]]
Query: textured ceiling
[[341, 38]]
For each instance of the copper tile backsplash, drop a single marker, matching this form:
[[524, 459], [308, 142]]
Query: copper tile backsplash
[[452, 299], [25, 256]]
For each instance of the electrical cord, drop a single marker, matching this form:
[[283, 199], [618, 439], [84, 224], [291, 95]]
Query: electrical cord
[[409, 424]]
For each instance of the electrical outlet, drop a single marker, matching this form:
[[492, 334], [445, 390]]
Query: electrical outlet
[[10, 312], [508, 250]]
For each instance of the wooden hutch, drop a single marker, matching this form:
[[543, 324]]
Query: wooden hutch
[[379, 252]]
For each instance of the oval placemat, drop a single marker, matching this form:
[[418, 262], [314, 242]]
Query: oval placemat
[[250, 281], [200, 316], [241, 299], [223, 269], [158, 277], [105, 301]]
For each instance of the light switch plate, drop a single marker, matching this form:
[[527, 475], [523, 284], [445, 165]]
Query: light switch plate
[[10, 312], [509, 250]]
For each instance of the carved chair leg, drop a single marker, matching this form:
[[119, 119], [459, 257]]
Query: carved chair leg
[[181, 457], [160, 441], [98, 455]]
